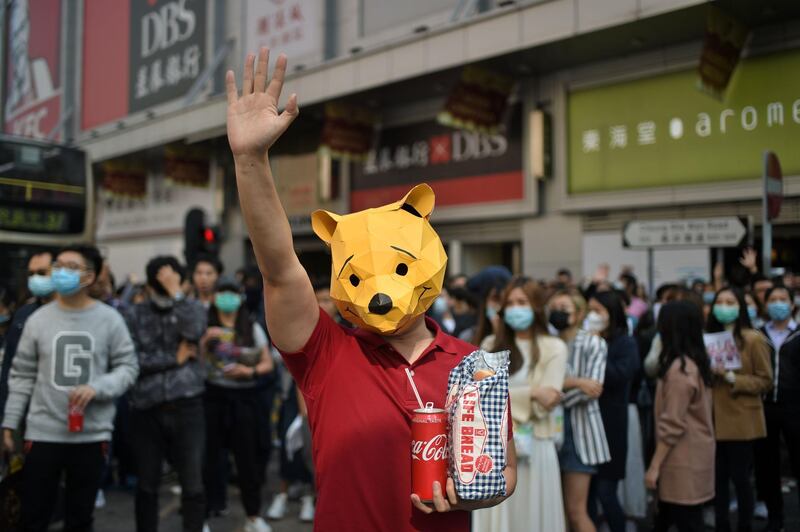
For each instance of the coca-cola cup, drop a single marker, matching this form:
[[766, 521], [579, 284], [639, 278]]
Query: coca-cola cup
[[429, 451], [75, 418]]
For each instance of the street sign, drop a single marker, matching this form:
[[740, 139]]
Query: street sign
[[773, 185], [724, 232]]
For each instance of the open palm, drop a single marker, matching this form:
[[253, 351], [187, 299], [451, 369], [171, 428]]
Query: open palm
[[254, 122]]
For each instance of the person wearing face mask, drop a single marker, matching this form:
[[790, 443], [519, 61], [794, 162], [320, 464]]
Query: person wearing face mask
[[781, 404], [43, 382], [585, 445], [606, 318], [738, 409], [487, 285], [40, 285], [536, 376], [754, 311], [237, 355], [167, 415]]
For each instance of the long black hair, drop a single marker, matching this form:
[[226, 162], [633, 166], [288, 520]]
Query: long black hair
[[680, 324], [617, 322], [742, 321]]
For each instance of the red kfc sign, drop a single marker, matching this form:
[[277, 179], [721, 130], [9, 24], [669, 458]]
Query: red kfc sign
[[33, 88]]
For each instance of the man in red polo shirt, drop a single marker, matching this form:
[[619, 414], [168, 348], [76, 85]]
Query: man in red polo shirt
[[359, 397]]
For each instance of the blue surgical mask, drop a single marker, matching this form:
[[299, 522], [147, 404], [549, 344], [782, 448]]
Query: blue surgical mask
[[491, 313], [40, 285], [708, 297], [4, 318], [227, 301], [726, 314], [752, 311], [65, 281], [518, 318], [439, 306], [779, 310]]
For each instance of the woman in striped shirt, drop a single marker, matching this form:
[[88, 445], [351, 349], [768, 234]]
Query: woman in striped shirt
[[585, 443]]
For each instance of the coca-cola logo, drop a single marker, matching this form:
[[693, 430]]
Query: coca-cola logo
[[434, 449]]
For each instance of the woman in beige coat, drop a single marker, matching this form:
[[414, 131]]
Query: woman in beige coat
[[738, 408], [536, 375], [682, 468]]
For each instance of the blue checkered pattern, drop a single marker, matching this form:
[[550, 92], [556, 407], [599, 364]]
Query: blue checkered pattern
[[492, 400]]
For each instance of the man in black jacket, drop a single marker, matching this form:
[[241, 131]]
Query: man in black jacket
[[167, 418], [41, 288]]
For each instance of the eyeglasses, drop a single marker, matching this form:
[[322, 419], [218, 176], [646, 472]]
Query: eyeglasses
[[69, 265]]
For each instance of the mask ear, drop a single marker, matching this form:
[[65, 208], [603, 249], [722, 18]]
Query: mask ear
[[324, 224], [419, 201]]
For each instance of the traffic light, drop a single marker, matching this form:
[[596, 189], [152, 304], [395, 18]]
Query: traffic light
[[199, 238]]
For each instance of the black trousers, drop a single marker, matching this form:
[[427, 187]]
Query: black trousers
[[780, 420], [733, 464], [236, 420], [81, 463], [604, 491], [685, 518], [174, 430]]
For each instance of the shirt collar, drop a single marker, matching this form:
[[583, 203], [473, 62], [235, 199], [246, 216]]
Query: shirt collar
[[792, 325], [441, 340]]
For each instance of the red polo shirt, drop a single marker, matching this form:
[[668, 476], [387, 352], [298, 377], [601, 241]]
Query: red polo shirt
[[360, 405]]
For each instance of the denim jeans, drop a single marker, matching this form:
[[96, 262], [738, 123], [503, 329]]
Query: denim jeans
[[173, 431]]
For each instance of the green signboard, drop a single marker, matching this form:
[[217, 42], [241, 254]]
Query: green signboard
[[663, 131]]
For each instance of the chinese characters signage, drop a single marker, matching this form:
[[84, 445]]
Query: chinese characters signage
[[478, 101], [138, 54], [33, 89], [662, 131], [293, 27], [463, 167], [167, 50]]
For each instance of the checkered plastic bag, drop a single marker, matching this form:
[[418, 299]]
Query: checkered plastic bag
[[477, 406]]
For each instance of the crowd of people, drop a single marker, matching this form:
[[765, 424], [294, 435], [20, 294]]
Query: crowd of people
[[614, 393], [175, 374], [611, 393]]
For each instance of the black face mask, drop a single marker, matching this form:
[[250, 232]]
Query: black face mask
[[559, 319]]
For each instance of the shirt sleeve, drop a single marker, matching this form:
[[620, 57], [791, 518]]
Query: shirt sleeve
[[22, 378], [595, 350], [309, 366], [679, 390]]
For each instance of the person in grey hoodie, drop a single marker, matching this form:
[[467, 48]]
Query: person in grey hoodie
[[75, 353], [167, 415]]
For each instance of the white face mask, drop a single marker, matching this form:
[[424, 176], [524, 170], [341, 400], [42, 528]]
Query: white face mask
[[594, 322], [449, 325]]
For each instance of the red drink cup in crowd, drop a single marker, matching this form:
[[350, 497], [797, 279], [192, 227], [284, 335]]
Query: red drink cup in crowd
[[429, 451], [75, 418]]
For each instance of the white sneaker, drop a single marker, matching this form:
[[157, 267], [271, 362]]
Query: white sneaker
[[278, 507], [256, 525], [100, 499], [176, 490], [205, 528], [760, 510], [307, 508]]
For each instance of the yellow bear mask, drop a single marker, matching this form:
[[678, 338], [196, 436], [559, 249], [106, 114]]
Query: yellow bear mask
[[388, 262]]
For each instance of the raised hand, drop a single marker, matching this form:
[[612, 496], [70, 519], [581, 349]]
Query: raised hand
[[254, 122]]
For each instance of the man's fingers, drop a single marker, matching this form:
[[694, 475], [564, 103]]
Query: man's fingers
[[230, 87], [451, 491], [278, 74], [290, 112], [419, 505], [260, 80], [439, 502], [247, 83]]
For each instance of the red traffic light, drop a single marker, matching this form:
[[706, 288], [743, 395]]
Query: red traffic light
[[208, 235]]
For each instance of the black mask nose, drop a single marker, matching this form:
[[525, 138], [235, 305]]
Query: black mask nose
[[380, 304]]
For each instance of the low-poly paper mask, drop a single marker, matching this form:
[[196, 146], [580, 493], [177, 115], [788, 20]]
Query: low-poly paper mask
[[388, 262]]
